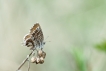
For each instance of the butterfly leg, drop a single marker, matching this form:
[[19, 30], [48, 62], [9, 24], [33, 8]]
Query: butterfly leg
[[33, 54], [41, 46], [36, 48]]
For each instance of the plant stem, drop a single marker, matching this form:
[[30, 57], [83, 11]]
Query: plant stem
[[24, 61]]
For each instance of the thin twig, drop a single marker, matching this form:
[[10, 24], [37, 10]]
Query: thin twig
[[28, 64], [24, 61]]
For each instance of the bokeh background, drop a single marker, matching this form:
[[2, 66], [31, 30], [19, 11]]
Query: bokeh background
[[76, 29]]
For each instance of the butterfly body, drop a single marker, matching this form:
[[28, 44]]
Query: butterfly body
[[35, 37]]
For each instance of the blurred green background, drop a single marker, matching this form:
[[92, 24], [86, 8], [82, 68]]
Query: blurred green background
[[76, 29]]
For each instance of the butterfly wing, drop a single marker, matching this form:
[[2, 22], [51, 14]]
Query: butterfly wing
[[33, 29], [37, 34]]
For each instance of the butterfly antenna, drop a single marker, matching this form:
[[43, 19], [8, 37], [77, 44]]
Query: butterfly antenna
[[46, 37], [47, 41]]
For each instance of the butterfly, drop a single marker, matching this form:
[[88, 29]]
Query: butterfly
[[34, 38]]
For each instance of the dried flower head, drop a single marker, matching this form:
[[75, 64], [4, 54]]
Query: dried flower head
[[43, 54], [41, 60], [40, 53], [37, 60], [33, 59]]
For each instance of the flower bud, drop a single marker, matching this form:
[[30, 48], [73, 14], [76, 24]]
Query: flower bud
[[40, 53], [37, 60], [33, 59], [41, 60], [43, 54]]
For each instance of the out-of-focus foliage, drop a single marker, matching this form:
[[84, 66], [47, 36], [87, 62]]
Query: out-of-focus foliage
[[79, 59], [101, 46]]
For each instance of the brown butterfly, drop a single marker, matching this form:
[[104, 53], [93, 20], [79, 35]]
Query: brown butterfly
[[35, 37]]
